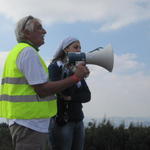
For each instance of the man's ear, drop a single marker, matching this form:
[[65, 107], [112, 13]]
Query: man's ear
[[26, 33]]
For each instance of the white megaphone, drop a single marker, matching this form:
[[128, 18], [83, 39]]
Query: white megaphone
[[100, 56]]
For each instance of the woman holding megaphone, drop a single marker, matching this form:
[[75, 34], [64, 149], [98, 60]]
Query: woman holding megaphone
[[67, 128]]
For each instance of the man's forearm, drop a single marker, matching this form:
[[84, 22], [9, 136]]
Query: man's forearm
[[50, 88]]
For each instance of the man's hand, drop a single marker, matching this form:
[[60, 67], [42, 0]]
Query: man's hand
[[82, 71]]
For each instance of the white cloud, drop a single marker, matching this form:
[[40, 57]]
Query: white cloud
[[117, 94], [113, 14], [127, 63]]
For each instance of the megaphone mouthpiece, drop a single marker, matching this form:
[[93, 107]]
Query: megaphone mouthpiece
[[76, 56]]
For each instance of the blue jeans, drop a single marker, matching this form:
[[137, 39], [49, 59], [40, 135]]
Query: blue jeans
[[67, 137]]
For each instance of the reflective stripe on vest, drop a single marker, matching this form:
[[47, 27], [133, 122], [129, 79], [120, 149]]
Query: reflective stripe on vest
[[25, 98], [14, 81], [18, 100]]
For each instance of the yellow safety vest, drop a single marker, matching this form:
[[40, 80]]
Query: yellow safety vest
[[18, 100]]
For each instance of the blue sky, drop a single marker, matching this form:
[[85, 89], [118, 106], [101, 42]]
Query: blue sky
[[125, 24]]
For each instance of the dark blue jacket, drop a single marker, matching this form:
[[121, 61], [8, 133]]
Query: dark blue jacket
[[78, 95]]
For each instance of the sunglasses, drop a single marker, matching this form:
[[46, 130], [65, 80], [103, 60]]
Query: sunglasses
[[26, 21]]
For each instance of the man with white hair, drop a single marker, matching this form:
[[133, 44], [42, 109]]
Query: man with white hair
[[27, 98]]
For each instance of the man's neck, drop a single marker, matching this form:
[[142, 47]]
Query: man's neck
[[30, 43]]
